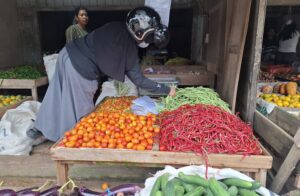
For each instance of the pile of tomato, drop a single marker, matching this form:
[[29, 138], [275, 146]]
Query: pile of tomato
[[115, 104], [113, 130]]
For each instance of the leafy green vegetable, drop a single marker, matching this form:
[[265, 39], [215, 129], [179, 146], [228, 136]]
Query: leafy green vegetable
[[23, 72]]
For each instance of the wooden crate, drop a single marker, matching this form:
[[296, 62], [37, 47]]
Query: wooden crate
[[279, 131], [32, 84], [188, 75], [255, 166], [5, 108]]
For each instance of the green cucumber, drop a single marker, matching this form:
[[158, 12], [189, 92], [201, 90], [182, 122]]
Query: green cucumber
[[238, 182], [164, 181], [179, 190], [170, 188], [159, 193], [193, 179], [188, 187], [255, 185], [156, 186], [196, 192], [223, 185], [233, 191], [208, 192], [246, 192], [216, 188]]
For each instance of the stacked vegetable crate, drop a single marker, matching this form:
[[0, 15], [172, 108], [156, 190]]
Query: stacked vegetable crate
[[3, 109], [23, 77], [278, 131]]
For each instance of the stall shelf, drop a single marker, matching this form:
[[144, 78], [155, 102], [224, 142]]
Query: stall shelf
[[255, 166], [32, 84]]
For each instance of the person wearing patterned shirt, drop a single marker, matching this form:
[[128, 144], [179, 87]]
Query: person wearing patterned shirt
[[78, 29]]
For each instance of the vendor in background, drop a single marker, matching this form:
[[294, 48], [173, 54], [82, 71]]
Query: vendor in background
[[288, 40], [109, 51], [270, 46], [78, 29]]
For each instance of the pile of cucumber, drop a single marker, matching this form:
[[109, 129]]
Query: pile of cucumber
[[194, 185]]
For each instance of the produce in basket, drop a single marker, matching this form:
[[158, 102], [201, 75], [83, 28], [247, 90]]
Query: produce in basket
[[6, 100], [189, 180], [291, 101], [115, 104]]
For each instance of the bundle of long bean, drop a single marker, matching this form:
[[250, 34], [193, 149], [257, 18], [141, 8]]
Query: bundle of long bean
[[192, 96], [206, 129]]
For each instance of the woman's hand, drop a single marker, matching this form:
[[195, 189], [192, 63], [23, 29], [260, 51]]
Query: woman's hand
[[172, 92]]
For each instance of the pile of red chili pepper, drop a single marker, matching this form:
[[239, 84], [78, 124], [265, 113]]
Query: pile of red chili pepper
[[206, 129]]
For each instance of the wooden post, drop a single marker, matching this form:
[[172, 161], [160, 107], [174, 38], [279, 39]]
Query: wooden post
[[261, 176], [34, 93], [61, 172], [288, 165]]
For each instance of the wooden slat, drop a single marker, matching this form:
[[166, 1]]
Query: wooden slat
[[160, 157], [272, 134], [247, 89], [290, 123], [228, 78]]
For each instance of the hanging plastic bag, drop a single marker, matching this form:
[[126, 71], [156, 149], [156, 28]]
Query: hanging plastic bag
[[50, 64]]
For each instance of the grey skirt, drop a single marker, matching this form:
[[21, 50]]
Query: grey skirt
[[68, 98]]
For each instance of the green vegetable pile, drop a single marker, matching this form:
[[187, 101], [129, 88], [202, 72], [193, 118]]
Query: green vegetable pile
[[195, 185], [192, 96], [23, 72]]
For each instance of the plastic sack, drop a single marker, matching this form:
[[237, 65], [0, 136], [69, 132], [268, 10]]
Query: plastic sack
[[162, 7], [143, 106], [50, 64], [109, 89], [13, 127], [200, 170]]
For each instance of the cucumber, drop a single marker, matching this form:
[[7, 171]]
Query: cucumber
[[188, 187], [170, 188], [164, 181], [238, 182], [255, 185], [208, 192], [156, 186], [179, 190], [216, 188], [246, 192], [196, 192], [193, 179], [159, 193], [233, 191], [223, 185]]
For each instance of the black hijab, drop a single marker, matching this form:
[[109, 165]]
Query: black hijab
[[109, 50]]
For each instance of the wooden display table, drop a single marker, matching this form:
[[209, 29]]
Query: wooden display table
[[32, 84], [255, 166]]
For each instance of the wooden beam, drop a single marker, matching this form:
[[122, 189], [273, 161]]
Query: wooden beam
[[283, 2]]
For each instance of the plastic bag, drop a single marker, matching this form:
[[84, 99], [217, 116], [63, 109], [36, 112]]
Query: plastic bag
[[200, 170], [13, 127], [50, 64], [109, 89], [143, 106]]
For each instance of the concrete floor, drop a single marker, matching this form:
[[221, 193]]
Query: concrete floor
[[19, 172]]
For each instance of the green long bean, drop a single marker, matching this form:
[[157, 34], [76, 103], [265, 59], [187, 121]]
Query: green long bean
[[192, 96]]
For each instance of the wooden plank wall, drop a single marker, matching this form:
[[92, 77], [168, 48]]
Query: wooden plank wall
[[246, 96]]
